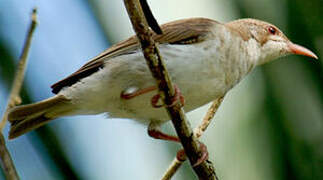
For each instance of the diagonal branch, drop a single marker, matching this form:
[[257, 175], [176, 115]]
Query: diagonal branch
[[6, 162], [205, 170], [172, 169], [198, 132], [152, 22]]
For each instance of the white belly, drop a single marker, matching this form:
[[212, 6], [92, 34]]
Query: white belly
[[198, 72]]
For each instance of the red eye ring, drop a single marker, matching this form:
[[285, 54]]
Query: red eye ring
[[272, 30]]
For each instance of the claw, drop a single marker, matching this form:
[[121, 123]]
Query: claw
[[181, 156], [177, 97], [204, 155], [155, 132], [154, 101]]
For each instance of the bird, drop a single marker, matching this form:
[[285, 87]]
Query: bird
[[205, 60]]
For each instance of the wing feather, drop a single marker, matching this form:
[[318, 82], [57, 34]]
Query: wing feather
[[186, 31]]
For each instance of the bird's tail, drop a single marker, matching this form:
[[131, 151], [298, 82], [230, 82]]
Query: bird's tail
[[29, 117]]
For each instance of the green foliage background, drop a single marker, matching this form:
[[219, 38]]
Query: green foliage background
[[282, 137]]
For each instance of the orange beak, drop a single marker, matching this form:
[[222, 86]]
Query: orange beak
[[300, 50]]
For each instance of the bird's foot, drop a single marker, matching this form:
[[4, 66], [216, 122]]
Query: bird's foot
[[181, 156], [177, 97], [204, 155]]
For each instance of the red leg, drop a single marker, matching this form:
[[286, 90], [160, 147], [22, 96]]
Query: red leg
[[130, 95], [160, 135], [154, 100]]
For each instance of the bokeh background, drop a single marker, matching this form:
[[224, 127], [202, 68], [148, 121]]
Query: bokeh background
[[269, 127]]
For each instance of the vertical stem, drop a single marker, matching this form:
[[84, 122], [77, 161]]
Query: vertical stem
[[204, 170], [6, 162], [14, 99]]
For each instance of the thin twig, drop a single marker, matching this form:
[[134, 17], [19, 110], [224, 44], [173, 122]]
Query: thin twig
[[6, 162], [152, 22], [14, 98], [198, 132], [173, 167], [204, 170]]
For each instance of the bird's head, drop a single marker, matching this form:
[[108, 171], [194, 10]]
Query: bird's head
[[271, 41]]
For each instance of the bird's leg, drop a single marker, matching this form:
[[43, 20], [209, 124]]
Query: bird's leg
[[155, 132], [132, 92], [158, 134]]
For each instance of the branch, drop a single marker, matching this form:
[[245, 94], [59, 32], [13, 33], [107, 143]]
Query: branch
[[7, 164], [14, 99], [173, 167], [152, 22], [198, 132], [205, 170]]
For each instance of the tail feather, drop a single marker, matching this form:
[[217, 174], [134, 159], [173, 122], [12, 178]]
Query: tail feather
[[29, 117]]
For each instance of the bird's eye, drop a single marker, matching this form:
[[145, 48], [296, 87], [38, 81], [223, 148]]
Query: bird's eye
[[272, 30]]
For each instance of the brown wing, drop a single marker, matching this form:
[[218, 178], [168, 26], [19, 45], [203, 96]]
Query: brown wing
[[186, 31]]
